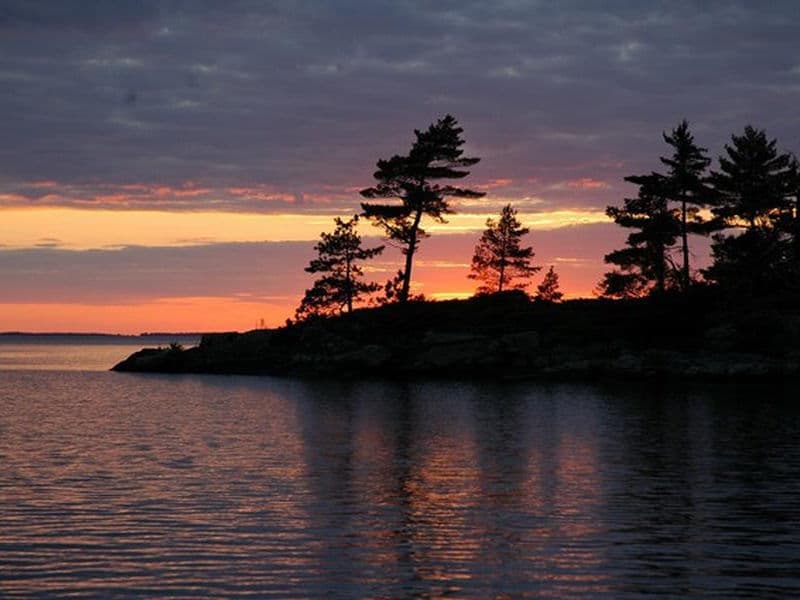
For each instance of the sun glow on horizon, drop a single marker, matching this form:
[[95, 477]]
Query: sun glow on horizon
[[440, 269], [189, 314]]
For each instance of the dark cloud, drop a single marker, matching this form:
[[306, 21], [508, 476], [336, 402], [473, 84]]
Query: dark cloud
[[301, 98], [88, 15]]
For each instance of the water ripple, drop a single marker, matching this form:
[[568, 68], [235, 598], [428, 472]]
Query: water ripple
[[128, 486]]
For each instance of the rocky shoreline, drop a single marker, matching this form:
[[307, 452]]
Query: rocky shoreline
[[505, 337]]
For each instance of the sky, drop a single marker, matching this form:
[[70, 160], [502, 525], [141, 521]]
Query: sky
[[168, 166]]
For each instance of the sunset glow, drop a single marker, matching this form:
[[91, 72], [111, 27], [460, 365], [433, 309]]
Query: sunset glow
[[80, 229], [220, 271], [399, 299], [154, 175]]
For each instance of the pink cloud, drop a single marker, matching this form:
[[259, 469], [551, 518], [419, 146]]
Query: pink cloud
[[43, 184], [587, 183], [498, 183]]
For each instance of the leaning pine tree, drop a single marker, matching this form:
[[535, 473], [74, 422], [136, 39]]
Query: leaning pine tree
[[413, 179], [340, 285], [499, 258]]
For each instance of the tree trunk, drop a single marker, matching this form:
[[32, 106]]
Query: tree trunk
[[661, 258], [412, 247], [685, 244], [403, 297], [797, 229], [660, 270], [348, 286], [502, 266]]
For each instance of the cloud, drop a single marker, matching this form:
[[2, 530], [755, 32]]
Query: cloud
[[265, 270], [48, 242], [137, 274], [185, 196], [75, 15], [304, 97], [587, 183]]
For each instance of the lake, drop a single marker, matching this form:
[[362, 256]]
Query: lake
[[123, 485]]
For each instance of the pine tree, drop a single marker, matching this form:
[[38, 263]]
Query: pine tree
[[645, 264], [340, 287], [391, 289], [686, 186], [755, 187], [754, 183], [435, 155], [793, 217], [499, 259], [548, 290]]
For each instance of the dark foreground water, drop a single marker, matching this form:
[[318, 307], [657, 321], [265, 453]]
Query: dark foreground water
[[117, 485]]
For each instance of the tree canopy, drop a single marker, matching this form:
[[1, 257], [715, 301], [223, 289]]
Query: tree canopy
[[754, 200], [419, 181], [684, 184], [549, 290], [499, 258], [756, 190], [645, 264], [341, 285]]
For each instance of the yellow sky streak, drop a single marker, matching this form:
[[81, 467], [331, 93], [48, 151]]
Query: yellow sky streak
[[83, 229]]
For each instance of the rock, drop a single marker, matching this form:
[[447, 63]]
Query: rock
[[152, 359], [372, 356], [524, 341], [459, 356], [628, 363], [435, 338], [211, 340], [722, 337]]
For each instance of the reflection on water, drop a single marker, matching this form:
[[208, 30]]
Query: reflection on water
[[184, 486]]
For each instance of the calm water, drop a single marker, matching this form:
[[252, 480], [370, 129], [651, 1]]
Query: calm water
[[127, 485]]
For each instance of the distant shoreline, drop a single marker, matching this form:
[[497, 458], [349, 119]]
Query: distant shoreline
[[109, 335]]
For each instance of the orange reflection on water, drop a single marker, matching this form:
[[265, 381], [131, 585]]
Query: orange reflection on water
[[570, 559]]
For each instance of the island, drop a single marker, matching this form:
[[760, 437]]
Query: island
[[509, 336]]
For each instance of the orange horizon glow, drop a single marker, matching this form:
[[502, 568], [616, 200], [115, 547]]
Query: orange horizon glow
[[176, 315], [83, 229], [435, 279], [75, 229]]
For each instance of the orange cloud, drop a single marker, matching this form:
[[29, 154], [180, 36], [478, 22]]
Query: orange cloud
[[181, 192], [13, 199], [43, 184], [261, 192]]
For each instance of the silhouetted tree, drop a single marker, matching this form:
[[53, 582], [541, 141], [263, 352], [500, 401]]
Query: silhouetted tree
[[499, 258], [548, 290], [435, 155], [338, 256], [794, 226], [645, 264], [685, 183], [755, 190], [392, 288]]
